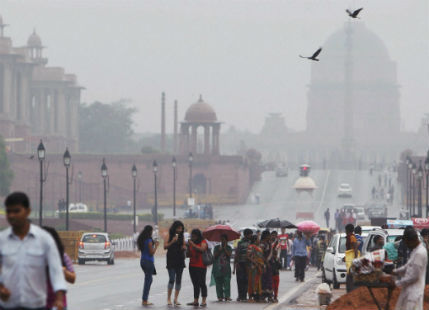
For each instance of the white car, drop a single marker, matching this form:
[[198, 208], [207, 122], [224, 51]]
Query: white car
[[360, 213], [345, 190], [334, 268]]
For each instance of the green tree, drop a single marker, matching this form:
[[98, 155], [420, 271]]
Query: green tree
[[106, 128], [6, 173]]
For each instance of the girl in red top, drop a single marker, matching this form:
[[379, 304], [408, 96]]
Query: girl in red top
[[197, 270]]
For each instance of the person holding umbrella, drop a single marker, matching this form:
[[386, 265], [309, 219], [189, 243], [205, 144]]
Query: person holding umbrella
[[222, 269]]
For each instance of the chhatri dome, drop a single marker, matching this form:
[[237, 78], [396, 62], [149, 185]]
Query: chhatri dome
[[200, 112], [34, 40]]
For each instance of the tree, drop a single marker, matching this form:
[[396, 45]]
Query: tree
[[106, 128], [6, 173]]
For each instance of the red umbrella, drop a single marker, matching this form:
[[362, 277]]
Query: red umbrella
[[308, 227], [214, 232]]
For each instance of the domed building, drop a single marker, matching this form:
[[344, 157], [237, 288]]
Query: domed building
[[200, 115], [353, 92]]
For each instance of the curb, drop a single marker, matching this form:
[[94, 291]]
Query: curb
[[293, 294]]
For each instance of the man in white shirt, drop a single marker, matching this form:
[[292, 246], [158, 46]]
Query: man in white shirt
[[413, 273], [26, 253]]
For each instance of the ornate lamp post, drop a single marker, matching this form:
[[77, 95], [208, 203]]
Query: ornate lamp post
[[174, 164], [419, 184], [134, 175], [79, 177], [155, 172], [190, 160], [413, 202], [41, 152], [409, 175], [104, 175], [67, 162], [427, 183]]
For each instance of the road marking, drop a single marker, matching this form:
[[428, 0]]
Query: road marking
[[289, 294], [324, 191]]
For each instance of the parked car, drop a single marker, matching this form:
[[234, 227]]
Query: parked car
[[96, 246], [389, 235], [376, 210], [345, 190], [334, 268]]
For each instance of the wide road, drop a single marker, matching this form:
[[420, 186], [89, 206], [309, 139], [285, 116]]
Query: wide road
[[119, 287], [279, 199]]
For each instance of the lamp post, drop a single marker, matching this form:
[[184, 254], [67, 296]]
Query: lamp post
[[427, 184], [419, 184], [67, 162], [174, 185], [155, 172], [409, 175], [79, 177], [104, 176], [41, 152], [134, 175], [413, 202], [190, 159]]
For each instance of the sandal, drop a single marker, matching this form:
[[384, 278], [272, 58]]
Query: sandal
[[176, 303], [195, 304], [147, 304], [203, 305], [169, 304]]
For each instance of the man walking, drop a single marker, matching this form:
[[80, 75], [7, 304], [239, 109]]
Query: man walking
[[327, 217], [241, 263], [299, 255], [413, 274], [28, 255], [352, 246], [283, 238]]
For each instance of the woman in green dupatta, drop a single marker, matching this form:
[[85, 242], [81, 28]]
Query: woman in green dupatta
[[256, 268], [222, 269]]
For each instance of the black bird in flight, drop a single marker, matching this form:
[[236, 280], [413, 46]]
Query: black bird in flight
[[314, 56], [355, 13]]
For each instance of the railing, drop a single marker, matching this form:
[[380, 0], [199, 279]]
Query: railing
[[124, 244]]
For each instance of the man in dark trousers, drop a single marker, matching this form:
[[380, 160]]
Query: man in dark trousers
[[299, 255], [241, 265], [327, 217]]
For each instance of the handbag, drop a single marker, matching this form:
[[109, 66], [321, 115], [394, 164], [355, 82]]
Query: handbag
[[207, 257]]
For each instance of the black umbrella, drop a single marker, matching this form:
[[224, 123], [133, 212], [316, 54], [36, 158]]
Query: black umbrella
[[276, 223]]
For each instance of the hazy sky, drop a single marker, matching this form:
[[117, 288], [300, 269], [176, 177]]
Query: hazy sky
[[241, 55]]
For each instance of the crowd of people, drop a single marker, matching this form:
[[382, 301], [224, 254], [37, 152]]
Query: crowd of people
[[343, 217], [258, 259]]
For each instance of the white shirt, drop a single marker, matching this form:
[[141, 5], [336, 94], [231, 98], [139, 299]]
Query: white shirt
[[24, 265], [412, 282]]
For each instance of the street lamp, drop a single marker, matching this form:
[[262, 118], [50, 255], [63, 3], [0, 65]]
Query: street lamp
[[190, 159], [104, 176], [67, 162], [427, 183], [134, 175], [407, 183], [174, 164], [155, 172], [414, 172], [41, 155], [79, 176], [419, 184], [410, 174]]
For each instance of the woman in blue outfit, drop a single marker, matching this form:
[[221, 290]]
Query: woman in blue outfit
[[147, 247]]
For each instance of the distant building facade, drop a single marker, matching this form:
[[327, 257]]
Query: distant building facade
[[36, 101]]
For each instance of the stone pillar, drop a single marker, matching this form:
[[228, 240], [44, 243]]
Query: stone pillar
[[184, 138], [175, 128], [213, 139], [216, 133], [206, 139], [194, 139], [163, 123]]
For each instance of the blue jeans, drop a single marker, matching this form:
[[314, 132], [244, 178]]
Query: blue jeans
[[148, 268], [288, 260], [175, 275]]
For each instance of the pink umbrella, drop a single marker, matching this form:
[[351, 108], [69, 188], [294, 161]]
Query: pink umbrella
[[308, 227], [213, 233]]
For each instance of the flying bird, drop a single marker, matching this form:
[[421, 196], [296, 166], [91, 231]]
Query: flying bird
[[314, 56], [355, 13]]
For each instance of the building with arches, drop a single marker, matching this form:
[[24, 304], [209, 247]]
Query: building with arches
[[36, 101], [200, 115]]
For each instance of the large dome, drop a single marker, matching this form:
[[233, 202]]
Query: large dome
[[34, 40], [200, 112], [363, 42]]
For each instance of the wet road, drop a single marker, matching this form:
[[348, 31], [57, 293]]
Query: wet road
[[118, 287]]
